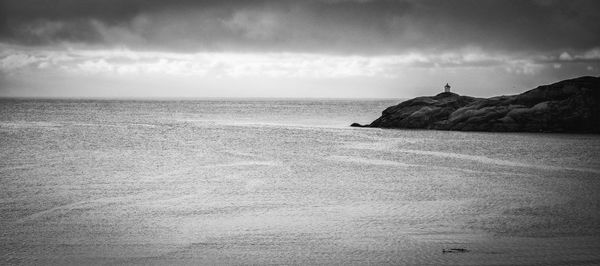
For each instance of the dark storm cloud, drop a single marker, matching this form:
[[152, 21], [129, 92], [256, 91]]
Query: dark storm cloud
[[365, 27]]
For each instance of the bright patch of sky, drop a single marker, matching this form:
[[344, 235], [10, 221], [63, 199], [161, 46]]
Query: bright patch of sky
[[317, 48]]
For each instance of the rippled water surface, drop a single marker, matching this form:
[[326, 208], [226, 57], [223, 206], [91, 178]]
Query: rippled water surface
[[284, 182]]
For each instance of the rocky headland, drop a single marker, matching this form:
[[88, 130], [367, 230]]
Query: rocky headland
[[567, 106]]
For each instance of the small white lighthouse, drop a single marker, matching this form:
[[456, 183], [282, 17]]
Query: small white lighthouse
[[447, 88]]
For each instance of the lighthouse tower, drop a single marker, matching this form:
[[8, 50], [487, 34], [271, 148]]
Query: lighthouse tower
[[447, 88]]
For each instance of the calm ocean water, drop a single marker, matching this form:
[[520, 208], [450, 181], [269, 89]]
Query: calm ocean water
[[284, 182]]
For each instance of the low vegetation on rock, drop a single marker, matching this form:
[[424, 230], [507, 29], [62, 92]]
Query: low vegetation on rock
[[567, 106]]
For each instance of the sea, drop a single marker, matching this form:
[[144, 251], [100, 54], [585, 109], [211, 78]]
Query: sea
[[284, 182]]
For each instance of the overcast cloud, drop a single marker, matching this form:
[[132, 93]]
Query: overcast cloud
[[528, 41]]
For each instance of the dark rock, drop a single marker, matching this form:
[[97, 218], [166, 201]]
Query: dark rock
[[358, 125], [566, 106], [455, 250]]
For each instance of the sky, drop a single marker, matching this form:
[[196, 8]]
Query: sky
[[297, 49]]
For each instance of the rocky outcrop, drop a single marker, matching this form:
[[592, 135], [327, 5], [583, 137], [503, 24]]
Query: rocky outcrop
[[567, 106]]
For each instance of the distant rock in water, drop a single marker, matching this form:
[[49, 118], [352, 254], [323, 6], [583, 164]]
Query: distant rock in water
[[566, 106]]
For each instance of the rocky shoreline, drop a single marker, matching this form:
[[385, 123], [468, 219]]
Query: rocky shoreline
[[567, 106]]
